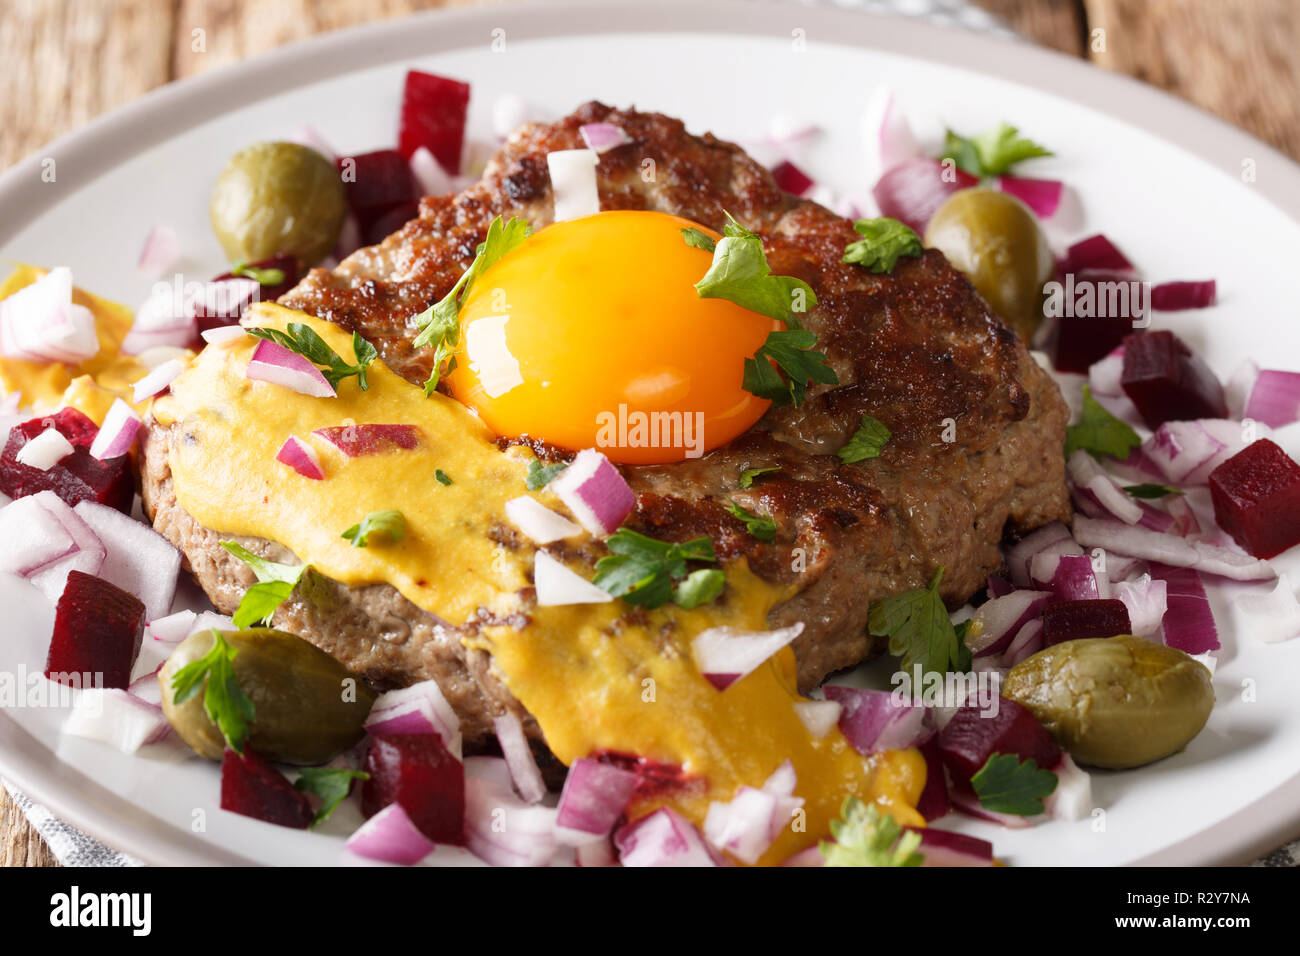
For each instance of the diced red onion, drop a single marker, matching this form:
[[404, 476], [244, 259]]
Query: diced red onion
[[432, 179], [158, 380], [391, 837], [598, 852], [1177, 296], [1170, 549], [370, 439], [418, 709], [1185, 522], [538, 522], [724, 655], [784, 129], [1146, 600], [819, 716], [1186, 452], [87, 555], [272, 362], [742, 827], [1104, 376], [309, 136], [147, 688], [45, 450], [945, 848], [874, 721], [1086, 473], [117, 718], [1237, 389], [1043, 565], [162, 250], [557, 585], [1096, 253], [1027, 642], [41, 323], [810, 856], [211, 621], [1075, 579], [887, 137], [31, 537], [172, 628], [301, 457], [1188, 621], [594, 797], [602, 137], [139, 560], [791, 178], [594, 491], [573, 183], [117, 435], [1022, 552], [1274, 398], [1042, 196], [1274, 617], [1072, 798], [662, 838], [1119, 567], [524, 771], [503, 830], [222, 333], [999, 586], [914, 189], [996, 622]]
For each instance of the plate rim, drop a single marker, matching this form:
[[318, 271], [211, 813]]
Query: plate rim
[[118, 136]]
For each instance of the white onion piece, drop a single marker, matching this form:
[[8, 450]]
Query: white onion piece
[[573, 183], [1086, 473], [594, 491], [87, 555], [429, 175], [1170, 549], [41, 323], [724, 655], [556, 585], [887, 138], [117, 718], [996, 622], [301, 457], [1236, 390], [162, 250], [1072, 798], [139, 560], [1146, 600], [117, 435], [1043, 565], [1027, 642], [1275, 616], [272, 362], [524, 771], [539, 523], [819, 716], [1104, 375], [147, 688], [1020, 554], [45, 450], [223, 333], [1208, 660], [31, 537], [662, 838], [743, 826], [391, 837], [172, 628], [157, 380], [211, 621], [418, 709], [503, 830], [594, 797], [602, 137], [509, 112]]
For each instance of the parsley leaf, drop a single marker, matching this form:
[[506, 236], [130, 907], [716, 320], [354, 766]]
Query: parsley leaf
[[883, 241], [1006, 785], [699, 239], [1099, 432], [866, 837], [699, 587], [749, 474], [867, 442], [440, 322], [224, 701], [796, 366], [1151, 490], [642, 570], [303, 340], [260, 276], [762, 527], [992, 152], [275, 582], [919, 630], [740, 274], [389, 522], [331, 784], [441, 476], [539, 475]]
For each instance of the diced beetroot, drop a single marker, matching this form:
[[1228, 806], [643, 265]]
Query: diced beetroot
[[252, 787], [1080, 620], [1256, 495], [433, 116], [355, 440], [98, 628], [79, 476], [791, 178], [289, 265], [1176, 296], [933, 802], [1080, 342], [969, 739], [1095, 253], [1168, 382], [418, 772], [376, 182], [389, 222]]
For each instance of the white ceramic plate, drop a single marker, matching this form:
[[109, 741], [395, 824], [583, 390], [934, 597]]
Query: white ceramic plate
[[1161, 178]]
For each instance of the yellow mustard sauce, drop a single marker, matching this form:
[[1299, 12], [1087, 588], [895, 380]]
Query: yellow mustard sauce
[[598, 678], [89, 387]]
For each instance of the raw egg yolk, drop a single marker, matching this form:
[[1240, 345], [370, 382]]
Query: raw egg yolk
[[591, 335]]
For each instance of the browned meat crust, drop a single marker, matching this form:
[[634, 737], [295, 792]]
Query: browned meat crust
[[977, 425]]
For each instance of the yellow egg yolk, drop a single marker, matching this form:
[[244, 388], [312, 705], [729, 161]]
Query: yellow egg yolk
[[591, 335]]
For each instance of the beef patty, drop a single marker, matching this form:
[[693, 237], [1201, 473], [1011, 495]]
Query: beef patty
[[977, 427]]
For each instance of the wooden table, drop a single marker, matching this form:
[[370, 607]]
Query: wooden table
[[67, 61]]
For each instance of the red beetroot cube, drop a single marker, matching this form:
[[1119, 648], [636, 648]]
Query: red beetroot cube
[[252, 787], [98, 628], [417, 771], [969, 739], [791, 178], [1079, 620], [1081, 341], [288, 265], [1256, 496], [376, 182], [933, 802], [78, 477], [1168, 382], [433, 116]]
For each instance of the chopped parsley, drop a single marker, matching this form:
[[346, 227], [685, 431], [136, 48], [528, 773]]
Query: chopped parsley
[[441, 476], [539, 475], [260, 276], [1005, 784], [440, 322], [646, 572], [1099, 432], [224, 701], [275, 582], [389, 522], [1151, 490], [866, 837], [331, 784], [699, 239], [786, 381], [991, 153], [762, 527], [749, 474], [920, 631], [883, 242], [303, 340], [867, 442]]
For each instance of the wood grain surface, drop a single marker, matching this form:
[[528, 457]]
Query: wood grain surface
[[64, 62]]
